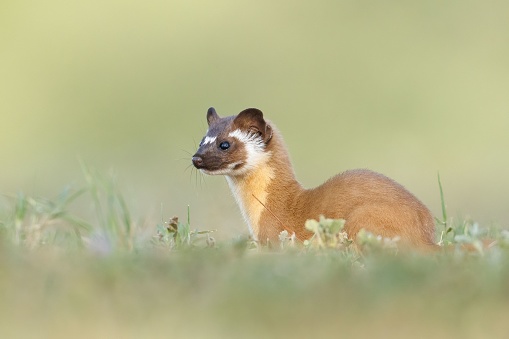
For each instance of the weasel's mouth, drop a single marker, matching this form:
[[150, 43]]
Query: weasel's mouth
[[230, 169], [211, 172], [224, 171]]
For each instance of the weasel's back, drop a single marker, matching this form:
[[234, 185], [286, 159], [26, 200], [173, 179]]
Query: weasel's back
[[369, 200]]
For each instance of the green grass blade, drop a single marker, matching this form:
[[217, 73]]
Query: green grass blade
[[442, 200]]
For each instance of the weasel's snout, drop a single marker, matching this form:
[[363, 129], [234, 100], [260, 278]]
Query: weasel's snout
[[197, 161]]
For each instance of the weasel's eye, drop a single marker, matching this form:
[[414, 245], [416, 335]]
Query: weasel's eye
[[224, 145]]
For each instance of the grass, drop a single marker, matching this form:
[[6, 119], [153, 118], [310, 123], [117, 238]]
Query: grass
[[111, 277]]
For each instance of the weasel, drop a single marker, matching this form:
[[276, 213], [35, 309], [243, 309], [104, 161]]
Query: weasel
[[249, 151]]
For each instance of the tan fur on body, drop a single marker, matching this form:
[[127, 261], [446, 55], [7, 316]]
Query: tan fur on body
[[363, 198], [272, 200]]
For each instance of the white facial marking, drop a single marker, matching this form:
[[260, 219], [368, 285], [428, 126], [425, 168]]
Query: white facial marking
[[242, 136], [255, 148], [209, 140]]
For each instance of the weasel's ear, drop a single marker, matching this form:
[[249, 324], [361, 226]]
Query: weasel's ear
[[212, 115], [251, 120]]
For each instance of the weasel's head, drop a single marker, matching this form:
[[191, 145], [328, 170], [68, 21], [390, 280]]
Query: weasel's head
[[233, 145]]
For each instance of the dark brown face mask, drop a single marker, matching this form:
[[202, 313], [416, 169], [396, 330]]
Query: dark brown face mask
[[223, 149]]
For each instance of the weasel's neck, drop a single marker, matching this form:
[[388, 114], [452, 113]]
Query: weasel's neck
[[270, 188]]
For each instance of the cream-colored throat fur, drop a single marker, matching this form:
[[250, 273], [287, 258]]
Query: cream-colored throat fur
[[251, 193]]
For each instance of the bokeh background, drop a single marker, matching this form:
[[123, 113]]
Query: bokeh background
[[408, 89]]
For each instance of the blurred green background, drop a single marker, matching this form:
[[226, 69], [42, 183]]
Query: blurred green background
[[404, 88]]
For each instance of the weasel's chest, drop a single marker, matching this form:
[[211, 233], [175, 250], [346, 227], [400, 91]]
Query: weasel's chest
[[251, 196]]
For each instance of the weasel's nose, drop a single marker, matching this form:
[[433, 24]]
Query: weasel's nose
[[197, 161]]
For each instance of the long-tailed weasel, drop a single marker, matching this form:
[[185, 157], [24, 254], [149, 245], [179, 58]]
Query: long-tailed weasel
[[250, 152]]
